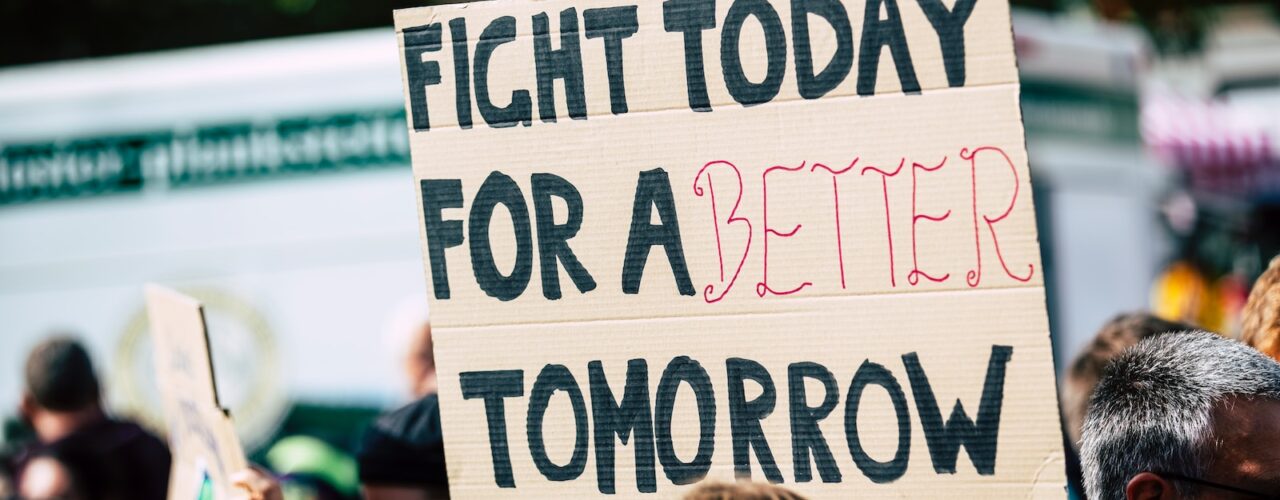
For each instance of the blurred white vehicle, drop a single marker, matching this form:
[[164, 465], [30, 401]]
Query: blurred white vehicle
[[270, 179]]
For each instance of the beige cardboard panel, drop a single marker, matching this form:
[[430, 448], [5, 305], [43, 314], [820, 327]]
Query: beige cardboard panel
[[183, 366], [834, 230], [952, 333], [603, 157], [654, 61], [209, 447], [202, 437]]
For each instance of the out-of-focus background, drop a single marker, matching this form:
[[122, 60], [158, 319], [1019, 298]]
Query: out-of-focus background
[[253, 153]]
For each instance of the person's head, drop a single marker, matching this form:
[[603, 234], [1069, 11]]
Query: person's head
[[420, 362], [1260, 321], [407, 335], [59, 380], [1184, 415], [1122, 332], [714, 490]]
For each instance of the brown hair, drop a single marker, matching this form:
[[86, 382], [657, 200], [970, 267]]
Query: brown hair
[[1122, 332], [60, 375], [1260, 322], [711, 490]]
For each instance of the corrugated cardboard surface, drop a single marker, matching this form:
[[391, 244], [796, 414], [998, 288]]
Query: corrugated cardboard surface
[[992, 294], [202, 437]]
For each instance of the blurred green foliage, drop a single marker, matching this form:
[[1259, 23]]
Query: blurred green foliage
[[1175, 26], [40, 30]]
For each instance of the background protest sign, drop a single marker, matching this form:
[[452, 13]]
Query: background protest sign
[[786, 241], [202, 437]]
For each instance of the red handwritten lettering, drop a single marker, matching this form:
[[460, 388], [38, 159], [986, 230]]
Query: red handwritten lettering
[[733, 218], [888, 222], [913, 277], [835, 193], [974, 277], [762, 288]]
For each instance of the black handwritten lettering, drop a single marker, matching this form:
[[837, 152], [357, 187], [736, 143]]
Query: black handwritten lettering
[[555, 378], [692, 17], [806, 437], [880, 472], [653, 189], [553, 239], [814, 85], [877, 33], [629, 419], [685, 370], [978, 438], [493, 387], [497, 189], [613, 24], [564, 64], [437, 195], [502, 30], [745, 417], [418, 41], [949, 24], [743, 90]]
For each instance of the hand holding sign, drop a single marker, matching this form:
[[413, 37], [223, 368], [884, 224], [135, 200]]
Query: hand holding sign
[[254, 483]]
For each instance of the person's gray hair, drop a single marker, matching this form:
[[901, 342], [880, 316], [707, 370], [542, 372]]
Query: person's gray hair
[[1153, 410]]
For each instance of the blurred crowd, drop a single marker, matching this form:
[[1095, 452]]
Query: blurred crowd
[[1151, 409], [80, 452], [1155, 409]]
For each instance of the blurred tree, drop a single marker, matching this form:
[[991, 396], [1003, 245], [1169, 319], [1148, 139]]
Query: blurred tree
[[35, 30], [1175, 26], [1050, 5]]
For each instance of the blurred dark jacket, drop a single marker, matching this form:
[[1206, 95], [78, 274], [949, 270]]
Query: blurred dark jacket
[[406, 448], [109, 460]]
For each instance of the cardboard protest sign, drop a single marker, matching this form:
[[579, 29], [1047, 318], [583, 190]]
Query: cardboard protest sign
[[202, 436], [784, 241]]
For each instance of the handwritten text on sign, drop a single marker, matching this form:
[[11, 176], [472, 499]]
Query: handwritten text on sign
[[737, 234], [612, 26], [653, 194]]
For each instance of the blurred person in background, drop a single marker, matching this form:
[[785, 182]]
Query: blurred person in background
[[402, 453], [1184, 415], [1260, 322], [407, 338], [715, 490], [420, 362], [80, 452], [7, 489], [1120, 333], [402, 456]]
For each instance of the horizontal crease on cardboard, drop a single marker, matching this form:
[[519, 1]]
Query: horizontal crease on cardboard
[[782, 301], [729, 106]]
